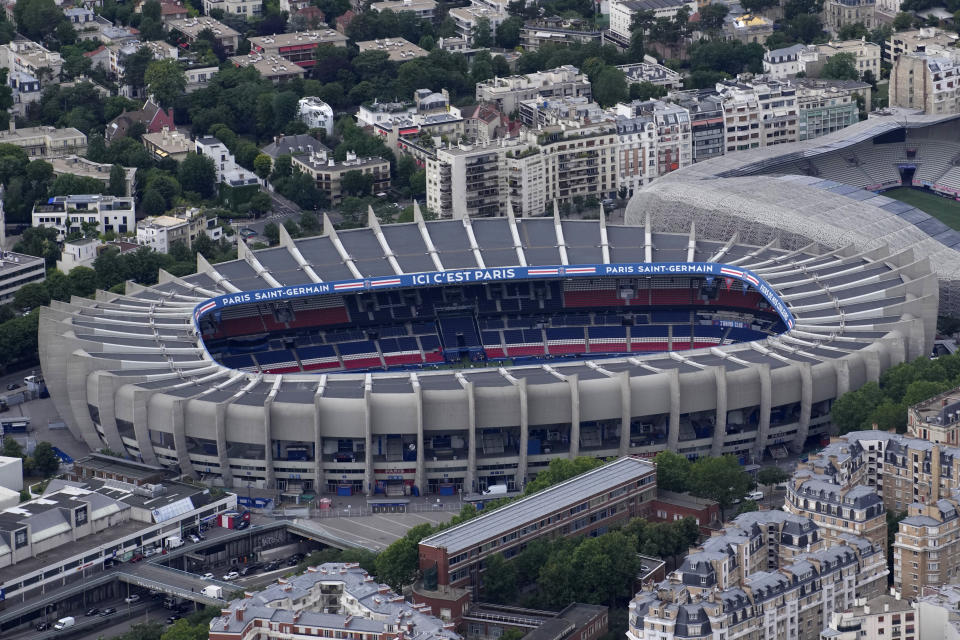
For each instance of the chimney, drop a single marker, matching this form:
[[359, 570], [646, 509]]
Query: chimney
[[13, 125], [239, 611], [935, 472]]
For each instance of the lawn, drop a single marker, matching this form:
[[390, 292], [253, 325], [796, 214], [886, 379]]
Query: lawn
[[945, 210]]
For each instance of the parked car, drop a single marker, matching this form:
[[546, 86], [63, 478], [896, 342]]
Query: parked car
[[233, 575], [247, 232], [42, 626], [194, 537], [132, 598], [272, 566], [250, 568], [173, 618], [109, 611], [13, 385], [92, 612], [136, 558], [207, 576], [156, 594]]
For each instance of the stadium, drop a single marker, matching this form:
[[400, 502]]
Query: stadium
[[452, 355]]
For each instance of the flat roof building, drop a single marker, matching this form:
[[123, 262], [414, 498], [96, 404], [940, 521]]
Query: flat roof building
[[297, 47], [328, 172], [398, 49], [507, 93], [168, 144], [79, 166], [332, 600], [45, 142], [273, 68], [16, 270], [424, 9], [592, 501], [191, 28]]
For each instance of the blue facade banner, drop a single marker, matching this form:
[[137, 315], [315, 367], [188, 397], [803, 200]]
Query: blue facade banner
[[500, 274]]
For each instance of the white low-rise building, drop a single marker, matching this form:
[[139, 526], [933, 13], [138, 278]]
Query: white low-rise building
[[16, 270], [79, 253], [161, 232], [11, 473], [315, 113], [67, 213]]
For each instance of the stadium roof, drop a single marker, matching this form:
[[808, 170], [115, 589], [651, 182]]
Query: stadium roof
[[560, 496]]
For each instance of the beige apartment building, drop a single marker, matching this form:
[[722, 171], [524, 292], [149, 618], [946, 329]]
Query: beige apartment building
[[45, 141], [838, 510], [328, 172], [927, 547], [928, 82]]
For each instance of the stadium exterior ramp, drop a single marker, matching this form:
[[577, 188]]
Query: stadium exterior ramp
[[131, 372], [759, 196]]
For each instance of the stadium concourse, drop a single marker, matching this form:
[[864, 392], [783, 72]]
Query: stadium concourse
[[458, 354]]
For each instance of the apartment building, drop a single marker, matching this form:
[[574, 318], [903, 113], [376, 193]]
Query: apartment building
[[838, 510], [707, 127], [556, 30], [825, 106], [16, 270], [936, 419], [927, 40], [273, 68], [298, 47], [328, 172], [767, 575], [334, 600], [245, 8], [507, 93], [580, 160], [535, 112], [637, 153], [469, 180], [190, 29], [424, 9], [66, 213], [890, 617], [623, 11], [758, 113], [938, 613], [397, 49], [780, 64], [168, 144], [674, 135], [927, 546], [45, 142], [867, 54], [161, 232], [655, 74], [840, 13], [26, 56], [923, 81], [79, 166], [585, 505], [467, 18]]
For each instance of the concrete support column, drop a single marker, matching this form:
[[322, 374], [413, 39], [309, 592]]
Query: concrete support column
[[420, 477], [720, 429], [763, 430], [368, 477], [77, 393], [270, 476], [574, 382], [673, 431], [471, 477], [842, 368], [318, 441], [520, 479], [225, 469], [180, 441], [106, 391], [625, 412], [141, 397], [871, 362], [806, 406]]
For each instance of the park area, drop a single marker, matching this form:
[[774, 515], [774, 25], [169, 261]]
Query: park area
[[943, 209]]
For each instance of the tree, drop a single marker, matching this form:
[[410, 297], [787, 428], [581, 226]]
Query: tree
[[508, 33], [712, 17], [166, 81], [850, 409], [31, 296], [903, 21], [12, 449], [45, 460], [135, 67], [610, 86], [853, 31], [83, 281], [397, 564], [499, 580], [6, 97], [757, 6], [721, 479], [842, 66], [198, 174], [118, 181], [262, 165], [356, 183], [482, 35], [673, 471], [153, 202], [646, 90], [772, 476], [747, 506], [37, 19], [260, 203], [271, 232]]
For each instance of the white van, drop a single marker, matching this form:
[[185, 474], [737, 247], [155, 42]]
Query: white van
[[756, 496], [64, 623]]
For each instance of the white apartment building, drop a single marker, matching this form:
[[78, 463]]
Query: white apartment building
[[889, 617], [161, 232], [507, 93], [384, 112], [622, 12], [780, 64], [226, 165], [761, 113], [79, 253], [424, 9], [66, 213], [637, 155], [938, 613], [237, 7], [26, 56], [315, 113], [467, 18]]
